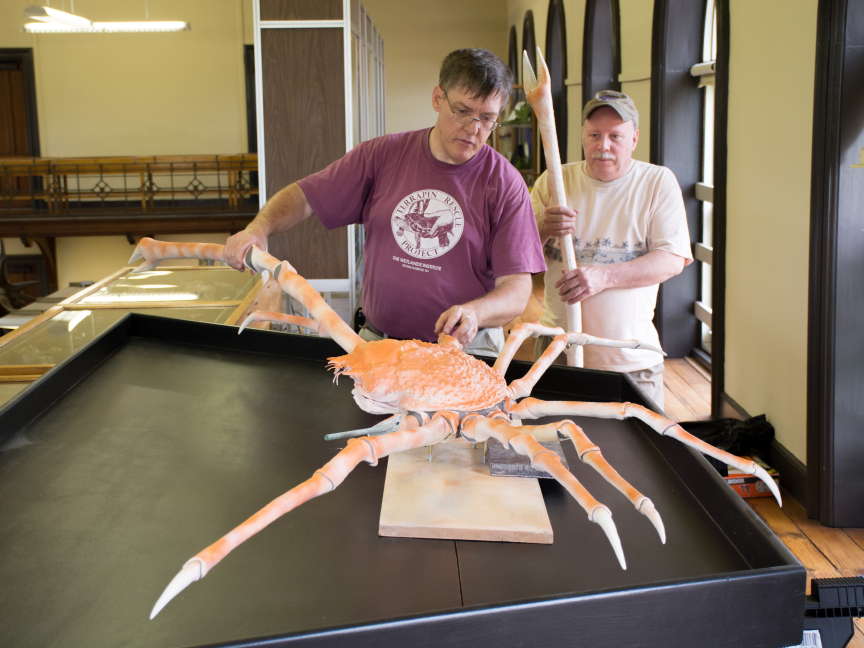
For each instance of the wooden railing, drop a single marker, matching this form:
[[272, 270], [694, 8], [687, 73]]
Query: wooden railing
[[99, 195]]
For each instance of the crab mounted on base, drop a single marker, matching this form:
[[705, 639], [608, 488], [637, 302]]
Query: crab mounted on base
[[435, 393]]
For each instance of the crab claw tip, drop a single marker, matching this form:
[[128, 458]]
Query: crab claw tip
[[529, 79], [647, 509], [137, 254], [603, 517], [246, 323], [190, 573], [765, 477]]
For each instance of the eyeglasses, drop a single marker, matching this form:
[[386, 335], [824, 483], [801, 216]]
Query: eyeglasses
[[463, 116]]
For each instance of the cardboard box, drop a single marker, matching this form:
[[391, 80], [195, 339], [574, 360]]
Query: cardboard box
[[748, 486]]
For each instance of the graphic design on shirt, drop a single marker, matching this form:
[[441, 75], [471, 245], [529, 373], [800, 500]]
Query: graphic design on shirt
[[600, 251], [427, 224]]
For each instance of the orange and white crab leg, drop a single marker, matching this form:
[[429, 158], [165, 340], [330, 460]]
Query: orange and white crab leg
[[538, 92], [155, 251], [370, 449], [532, 408], [590, 454], [289, 281], [296, 320], [478, 428], [521, 332]]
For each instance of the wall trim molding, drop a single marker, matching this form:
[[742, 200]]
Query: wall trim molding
[[793, 472]]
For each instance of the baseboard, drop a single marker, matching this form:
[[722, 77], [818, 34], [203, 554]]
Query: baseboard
[[793, 472], [730, 409]]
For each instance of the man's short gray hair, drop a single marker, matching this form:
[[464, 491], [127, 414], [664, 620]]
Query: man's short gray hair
[[479, 71]]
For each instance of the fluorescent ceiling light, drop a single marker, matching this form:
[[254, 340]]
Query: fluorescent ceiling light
[[109, 27], [53, 21], [56, 17]]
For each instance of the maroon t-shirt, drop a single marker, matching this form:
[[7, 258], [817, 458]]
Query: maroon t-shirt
[[437, 234]]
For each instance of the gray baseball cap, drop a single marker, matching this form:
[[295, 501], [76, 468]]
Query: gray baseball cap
[[622, 104]]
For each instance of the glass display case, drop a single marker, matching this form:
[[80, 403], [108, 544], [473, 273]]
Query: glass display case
[[215, 294]]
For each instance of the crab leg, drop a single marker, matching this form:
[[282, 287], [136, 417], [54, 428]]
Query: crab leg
[[521, 332], [268, 316], [532, 408], [289, 281], [369, 449], [538, 92], [590, 454], [478, 428], [154, 251]]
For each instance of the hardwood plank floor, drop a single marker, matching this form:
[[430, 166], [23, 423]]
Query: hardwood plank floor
[[824, 552]]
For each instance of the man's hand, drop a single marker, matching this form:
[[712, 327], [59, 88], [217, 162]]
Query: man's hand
[[459, 321], [237, 245], [557, 222], [582, 283], [653, 268], [282, 212]]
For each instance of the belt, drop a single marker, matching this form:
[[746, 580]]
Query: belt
[[374, 329]]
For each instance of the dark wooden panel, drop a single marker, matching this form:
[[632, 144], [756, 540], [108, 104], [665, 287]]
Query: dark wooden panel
[[304, 130], [19, 91], [677, 143], [148, 224], [301, 10], [601, 48], [849, 314], [718, 268]]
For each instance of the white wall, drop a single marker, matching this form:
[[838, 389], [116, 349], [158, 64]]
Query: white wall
[[135, 94], [771, 75], [417, 36], [636, 25]]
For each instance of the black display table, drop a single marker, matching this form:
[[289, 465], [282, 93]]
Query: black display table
[[161, 435]]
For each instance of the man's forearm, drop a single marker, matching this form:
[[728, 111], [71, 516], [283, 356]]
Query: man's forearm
[[282, 212], [504, 302], [653, 268]]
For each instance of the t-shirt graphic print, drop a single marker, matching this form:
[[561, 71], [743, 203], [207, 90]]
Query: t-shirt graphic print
[[427, 223]]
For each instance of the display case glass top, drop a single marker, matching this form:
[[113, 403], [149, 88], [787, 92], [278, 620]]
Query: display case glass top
[[69, 330], [175, 285]]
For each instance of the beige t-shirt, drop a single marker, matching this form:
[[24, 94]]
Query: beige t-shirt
[[618, 221]]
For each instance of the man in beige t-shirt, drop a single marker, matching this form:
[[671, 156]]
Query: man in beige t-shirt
[[629, 230]]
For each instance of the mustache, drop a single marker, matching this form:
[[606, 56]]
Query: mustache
[[603, 156]]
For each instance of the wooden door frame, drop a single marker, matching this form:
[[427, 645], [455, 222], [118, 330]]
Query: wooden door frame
[[24, 56]]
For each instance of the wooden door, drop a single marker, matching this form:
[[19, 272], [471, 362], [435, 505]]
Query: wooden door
[[14, 139]]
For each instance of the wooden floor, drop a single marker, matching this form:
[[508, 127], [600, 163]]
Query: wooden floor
[[825, 552]]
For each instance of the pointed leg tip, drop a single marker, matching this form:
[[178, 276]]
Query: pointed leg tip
[[647, 509], [246, 323], [190, 573], [769, 482], [603, 517]]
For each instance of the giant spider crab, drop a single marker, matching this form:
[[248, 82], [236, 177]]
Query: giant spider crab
[[434, 393]]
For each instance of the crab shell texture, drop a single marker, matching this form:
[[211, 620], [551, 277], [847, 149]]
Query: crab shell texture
[[392, 376]]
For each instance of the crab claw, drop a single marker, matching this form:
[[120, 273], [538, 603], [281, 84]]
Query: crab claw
[[190, 573], [647, 509], [603, 517], [247, 322], [769, 482], [529, 79]]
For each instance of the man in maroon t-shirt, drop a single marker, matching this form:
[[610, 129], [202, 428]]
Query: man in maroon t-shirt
[[451, 239]]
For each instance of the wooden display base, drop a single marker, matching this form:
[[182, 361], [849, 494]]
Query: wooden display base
[[453, 497]]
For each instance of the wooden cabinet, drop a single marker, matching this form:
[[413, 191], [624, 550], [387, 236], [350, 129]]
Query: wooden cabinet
[[319, 67]]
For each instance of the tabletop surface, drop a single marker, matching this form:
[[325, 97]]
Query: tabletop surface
[[165, 447]]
